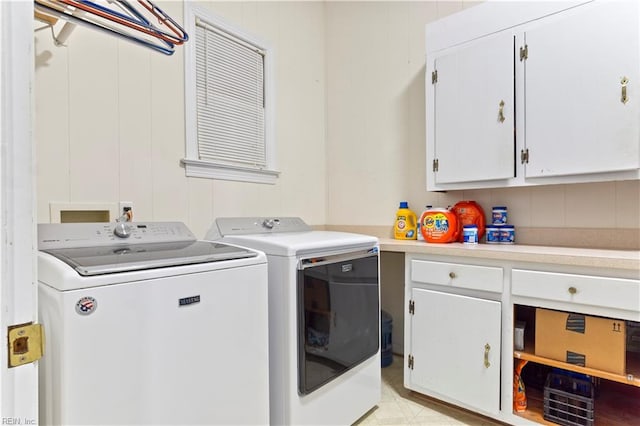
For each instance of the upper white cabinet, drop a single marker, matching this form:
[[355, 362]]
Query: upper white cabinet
[[526, 93], [474, 110], [581, 77]]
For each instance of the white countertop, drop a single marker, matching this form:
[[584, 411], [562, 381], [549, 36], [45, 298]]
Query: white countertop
[[599, 258]]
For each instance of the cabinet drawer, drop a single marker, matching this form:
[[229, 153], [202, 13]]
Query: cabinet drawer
[[581, 289], [472, 277]]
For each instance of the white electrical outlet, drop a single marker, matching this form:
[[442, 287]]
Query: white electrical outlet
[[123, 206]]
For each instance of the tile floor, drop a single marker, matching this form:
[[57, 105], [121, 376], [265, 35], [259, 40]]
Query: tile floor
[[400, 406]]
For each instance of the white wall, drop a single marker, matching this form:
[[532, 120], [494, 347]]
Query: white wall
[[110, 122], [350, 125]]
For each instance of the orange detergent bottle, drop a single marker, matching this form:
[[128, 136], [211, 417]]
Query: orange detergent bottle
[[439, 226], [519, 393], [404, 227], [470, 213]]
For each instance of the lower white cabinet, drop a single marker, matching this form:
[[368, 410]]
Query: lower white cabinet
[[452, 348], [459, 332]]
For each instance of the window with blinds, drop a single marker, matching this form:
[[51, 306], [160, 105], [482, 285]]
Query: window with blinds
[[228, 108]]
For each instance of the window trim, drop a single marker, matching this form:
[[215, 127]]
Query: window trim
[[194, 167]]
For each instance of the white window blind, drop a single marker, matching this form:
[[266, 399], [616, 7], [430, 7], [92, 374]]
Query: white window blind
[[230, 99]]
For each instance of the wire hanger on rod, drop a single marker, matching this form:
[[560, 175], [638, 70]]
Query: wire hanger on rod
[[130, 23]]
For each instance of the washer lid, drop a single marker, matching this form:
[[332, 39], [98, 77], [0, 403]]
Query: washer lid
[[88, 261], [95, 248]]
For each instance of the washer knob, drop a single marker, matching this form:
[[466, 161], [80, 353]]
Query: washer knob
[[122, 230], [268, 223]]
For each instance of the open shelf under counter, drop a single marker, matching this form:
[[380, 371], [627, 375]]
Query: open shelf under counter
[[615, 405], [631, 378]]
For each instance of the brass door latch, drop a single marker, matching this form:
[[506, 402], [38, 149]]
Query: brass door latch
[[624, 98], [26, 343]]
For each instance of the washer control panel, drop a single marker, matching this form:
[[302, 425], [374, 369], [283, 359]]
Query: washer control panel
[[69, 235]]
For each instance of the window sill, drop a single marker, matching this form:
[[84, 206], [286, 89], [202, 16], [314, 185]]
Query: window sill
[[205, 169]]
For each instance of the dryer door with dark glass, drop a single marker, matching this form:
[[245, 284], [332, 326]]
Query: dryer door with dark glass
[[338, 316]]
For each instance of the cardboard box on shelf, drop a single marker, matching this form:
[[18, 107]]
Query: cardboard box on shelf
[[578, 339]]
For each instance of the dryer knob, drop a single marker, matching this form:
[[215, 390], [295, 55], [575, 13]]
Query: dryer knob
[[122, 230]]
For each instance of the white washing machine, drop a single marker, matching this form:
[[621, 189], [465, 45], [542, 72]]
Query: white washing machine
[[324, 318], [150, 326]]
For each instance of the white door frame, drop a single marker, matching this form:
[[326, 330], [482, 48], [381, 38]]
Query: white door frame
[[18, 285]]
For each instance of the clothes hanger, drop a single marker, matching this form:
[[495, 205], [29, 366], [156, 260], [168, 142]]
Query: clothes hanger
[[131, 25], [165, 19], [137, 22], [48, 7]]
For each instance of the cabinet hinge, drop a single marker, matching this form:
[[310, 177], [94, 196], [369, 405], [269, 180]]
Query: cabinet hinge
[[410, 362], [412, 307], [434, 77], [26, 343], [435, 165], [524, 53], [524, 156]]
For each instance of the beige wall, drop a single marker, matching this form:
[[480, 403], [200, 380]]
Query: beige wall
[[110, 122], [375, 138], [350, 125]]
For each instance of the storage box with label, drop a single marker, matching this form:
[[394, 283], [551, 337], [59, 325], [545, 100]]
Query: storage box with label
[[583, 340]]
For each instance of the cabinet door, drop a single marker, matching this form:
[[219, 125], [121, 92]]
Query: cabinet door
[[576, 119], [455, 345], [474, 111]]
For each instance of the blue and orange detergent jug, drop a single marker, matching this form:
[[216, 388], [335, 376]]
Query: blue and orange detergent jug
[[439, 225], [404, 227]]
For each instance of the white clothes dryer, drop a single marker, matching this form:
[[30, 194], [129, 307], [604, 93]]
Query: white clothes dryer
[[150, 326], [324, 318]]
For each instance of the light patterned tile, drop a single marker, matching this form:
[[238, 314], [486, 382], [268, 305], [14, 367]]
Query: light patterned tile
[[366, 420], [400, 421], [388, 394], [410, 409], [388, 411], [400, 406]]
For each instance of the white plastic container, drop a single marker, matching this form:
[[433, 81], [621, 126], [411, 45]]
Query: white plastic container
[[499, 215], [470, 234]]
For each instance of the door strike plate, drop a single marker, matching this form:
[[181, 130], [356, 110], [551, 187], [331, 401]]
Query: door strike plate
[[25, 343]]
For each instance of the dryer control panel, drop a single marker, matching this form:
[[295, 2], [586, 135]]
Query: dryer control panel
[[257, 225]]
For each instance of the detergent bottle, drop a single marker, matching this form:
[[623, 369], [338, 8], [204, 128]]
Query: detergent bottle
[[439, 225], [405, 224], [418, 231], [470, 213]]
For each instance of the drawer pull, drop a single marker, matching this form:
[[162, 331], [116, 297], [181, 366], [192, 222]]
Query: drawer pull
[[452, 275], [487, 348], [573, 290]]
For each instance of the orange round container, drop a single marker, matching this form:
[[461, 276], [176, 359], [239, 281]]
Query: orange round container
[[470, 213], [439, 226]]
